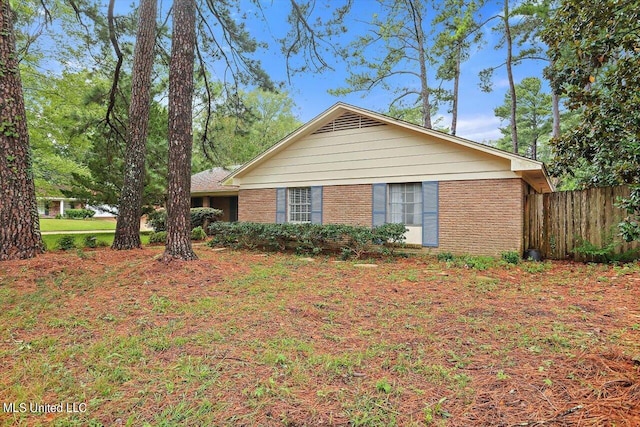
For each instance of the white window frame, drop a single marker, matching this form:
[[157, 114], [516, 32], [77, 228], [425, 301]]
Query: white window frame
[[404, 201], [299, 205]]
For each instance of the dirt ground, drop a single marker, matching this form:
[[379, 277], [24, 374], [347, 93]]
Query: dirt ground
[[246, 338]]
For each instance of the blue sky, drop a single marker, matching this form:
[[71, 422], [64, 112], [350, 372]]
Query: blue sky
[[476, 120]]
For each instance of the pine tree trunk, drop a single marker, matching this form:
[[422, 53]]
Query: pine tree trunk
[[178, 244], [19, 223], [422, 58], [456, 90], [512, 86], [130, 206]]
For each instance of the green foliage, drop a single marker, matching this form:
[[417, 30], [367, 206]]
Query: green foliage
[[596, 65], [245, 125], [511, 257], [445, 256], [533, 118], [384, 386], [79, 213], [351, 241], [158, 237], [200, 217], [588, 252], [90, 241], [66, 242], [198, 233]]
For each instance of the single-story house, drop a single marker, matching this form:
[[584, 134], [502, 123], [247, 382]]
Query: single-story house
[[208, 192], [53, 206], [354, 166]]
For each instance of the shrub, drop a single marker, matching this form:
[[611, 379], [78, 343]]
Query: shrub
[[200, 217], [90, 241], [66, 242], [79, 213], [158, 237], [445, 256], [511, 257], [351, 241], [198, 234]]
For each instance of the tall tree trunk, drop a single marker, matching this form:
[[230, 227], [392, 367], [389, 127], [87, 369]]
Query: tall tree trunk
[[19, 223], [512, 86], [422, 58], [456, 90], [178, 245], [130, 206], [555, 102]]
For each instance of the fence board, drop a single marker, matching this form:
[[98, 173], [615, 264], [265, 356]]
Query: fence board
[[557, 223]]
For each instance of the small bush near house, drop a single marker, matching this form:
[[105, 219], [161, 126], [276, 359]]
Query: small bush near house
[[90, 241], [66, 242], [158, 237], [351, 241], [198, 234], [445, 256], [511, 257], [200, 217], [79, 213]]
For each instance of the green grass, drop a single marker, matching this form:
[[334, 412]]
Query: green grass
[[103, 239], [49, 224]]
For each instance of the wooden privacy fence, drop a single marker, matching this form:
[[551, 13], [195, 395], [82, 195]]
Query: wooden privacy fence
[[557, 223]]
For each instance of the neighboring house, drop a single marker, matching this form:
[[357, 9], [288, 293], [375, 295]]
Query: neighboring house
[[353, 166], [53, 206], [206, 191]]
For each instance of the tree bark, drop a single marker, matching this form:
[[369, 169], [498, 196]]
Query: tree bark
[[555, 101], [512, 87], [456, 90], [130, 206], [416, 15], [178, 244], [19, 222]]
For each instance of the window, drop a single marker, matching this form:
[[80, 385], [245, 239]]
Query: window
[[405, 204], [299, 205]]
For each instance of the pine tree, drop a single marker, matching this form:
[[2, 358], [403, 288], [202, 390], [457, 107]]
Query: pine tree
[[20, 227]]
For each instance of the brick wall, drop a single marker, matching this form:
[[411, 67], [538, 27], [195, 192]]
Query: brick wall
[[347, 204], [257, 205], [481, 217]]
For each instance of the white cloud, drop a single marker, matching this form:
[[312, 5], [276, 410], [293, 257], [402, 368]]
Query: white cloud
[[479, 128]]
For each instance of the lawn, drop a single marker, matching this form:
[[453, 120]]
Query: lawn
[[50, 224], [245, 338], [103, 239]]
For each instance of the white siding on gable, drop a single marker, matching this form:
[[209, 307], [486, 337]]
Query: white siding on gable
[[373, 154]]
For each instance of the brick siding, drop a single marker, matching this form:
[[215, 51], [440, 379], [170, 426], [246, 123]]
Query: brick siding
[[481, 217], [347, 204], [257, 205]]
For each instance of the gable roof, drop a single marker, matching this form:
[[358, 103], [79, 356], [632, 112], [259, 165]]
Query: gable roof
[[208, 181], [342, 116]]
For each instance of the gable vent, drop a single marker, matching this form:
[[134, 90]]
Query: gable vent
[[349, 121]]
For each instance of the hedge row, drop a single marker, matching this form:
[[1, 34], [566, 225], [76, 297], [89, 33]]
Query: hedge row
[[200, 217], [79, 213], [351, 241]]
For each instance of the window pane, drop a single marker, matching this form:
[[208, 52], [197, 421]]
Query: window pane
[[299, 205], [405, 203]]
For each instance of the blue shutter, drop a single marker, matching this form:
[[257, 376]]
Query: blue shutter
[[316, 205], [281, 205], [430, 213], [379, 204]]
